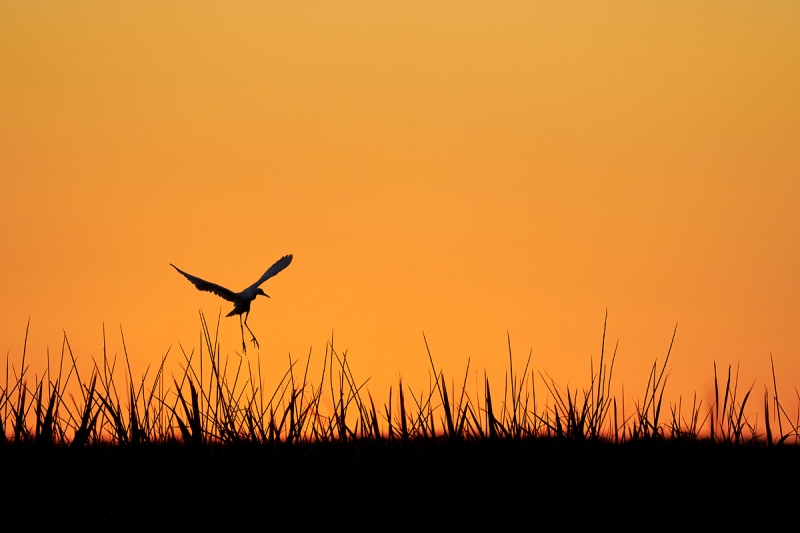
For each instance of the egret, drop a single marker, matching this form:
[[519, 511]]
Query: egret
[[241, 300]]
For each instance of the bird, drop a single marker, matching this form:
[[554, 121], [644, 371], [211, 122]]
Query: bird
[[241, 300]]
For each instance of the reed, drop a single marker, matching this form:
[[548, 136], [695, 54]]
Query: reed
[[214, 400]]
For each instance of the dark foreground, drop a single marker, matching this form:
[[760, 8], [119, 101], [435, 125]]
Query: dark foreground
[[378, 485]]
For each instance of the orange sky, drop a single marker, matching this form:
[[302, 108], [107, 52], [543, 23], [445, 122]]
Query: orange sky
[[465, 169]]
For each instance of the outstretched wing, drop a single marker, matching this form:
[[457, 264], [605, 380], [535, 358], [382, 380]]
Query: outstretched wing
[[279, 265], [207, 286]]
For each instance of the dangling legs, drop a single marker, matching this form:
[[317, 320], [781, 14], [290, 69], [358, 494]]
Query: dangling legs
[[255, 342], [244, 346]]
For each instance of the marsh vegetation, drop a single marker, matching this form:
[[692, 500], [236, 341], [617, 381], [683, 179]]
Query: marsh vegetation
[[209, 444]]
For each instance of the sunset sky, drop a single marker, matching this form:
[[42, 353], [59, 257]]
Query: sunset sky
[[464, 169]]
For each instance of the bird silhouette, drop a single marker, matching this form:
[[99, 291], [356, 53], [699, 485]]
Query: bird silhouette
[[241, 300]]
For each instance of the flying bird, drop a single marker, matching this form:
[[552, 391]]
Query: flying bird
[[241, 300]]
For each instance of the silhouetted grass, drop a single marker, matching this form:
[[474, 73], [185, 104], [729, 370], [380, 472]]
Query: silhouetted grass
[[210, 439]]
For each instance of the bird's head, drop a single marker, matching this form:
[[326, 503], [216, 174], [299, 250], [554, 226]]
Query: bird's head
[[261, 292]]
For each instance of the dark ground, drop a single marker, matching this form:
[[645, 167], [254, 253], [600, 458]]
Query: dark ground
[[383, 485]]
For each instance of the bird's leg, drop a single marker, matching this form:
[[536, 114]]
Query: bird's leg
[[255, 342], [244, 346]]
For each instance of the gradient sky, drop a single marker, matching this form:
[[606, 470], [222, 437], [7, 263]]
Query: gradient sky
[[465, 169]]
